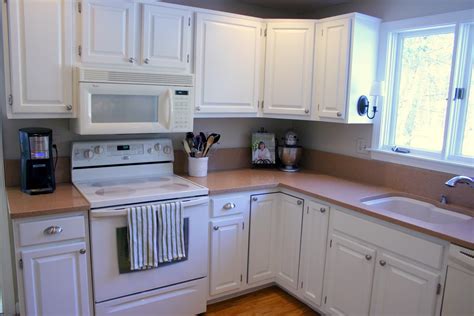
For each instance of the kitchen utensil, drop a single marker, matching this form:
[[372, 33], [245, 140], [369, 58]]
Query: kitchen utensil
[[210, 141], [186, 147], [216, 137]]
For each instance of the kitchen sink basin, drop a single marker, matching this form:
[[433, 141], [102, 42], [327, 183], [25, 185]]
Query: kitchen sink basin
[[416, 209]]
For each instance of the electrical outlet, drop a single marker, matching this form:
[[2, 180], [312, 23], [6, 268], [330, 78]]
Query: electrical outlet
[[362, 146]]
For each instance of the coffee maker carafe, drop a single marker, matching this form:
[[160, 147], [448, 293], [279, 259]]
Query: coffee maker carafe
[[37, 166]]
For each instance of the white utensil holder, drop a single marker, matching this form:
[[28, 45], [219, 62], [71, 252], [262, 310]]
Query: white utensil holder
[[197, 167]]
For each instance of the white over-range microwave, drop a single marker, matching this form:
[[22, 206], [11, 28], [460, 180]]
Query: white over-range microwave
[[124, 102]]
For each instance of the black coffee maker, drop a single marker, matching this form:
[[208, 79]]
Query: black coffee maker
[[37, 166]]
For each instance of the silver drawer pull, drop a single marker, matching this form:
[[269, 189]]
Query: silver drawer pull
[[82, 251], [216, 227], [368, 257], [322, 209], [299, 202], [382, 262], [255, 199], [53, 230], [229, 206]]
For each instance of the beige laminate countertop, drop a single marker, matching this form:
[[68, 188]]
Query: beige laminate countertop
[[64, 199], [336, 191]]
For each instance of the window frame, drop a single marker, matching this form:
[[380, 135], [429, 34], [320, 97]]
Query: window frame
[[391, 34]]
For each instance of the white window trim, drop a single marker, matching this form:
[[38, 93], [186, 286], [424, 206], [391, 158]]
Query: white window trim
[[385, 45]]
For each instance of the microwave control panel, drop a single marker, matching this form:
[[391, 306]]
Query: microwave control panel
[[182, 110]]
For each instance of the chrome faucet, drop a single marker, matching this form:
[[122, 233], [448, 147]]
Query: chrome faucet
[[460, 179]]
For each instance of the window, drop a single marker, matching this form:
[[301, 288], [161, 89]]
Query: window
[[429, 107]]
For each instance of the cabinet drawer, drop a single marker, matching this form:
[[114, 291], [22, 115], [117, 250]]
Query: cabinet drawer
[[229, 204], [51, 230], [389, 238]]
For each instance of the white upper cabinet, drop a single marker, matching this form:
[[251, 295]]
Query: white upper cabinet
[[228, 59], [108, 31], [313, 250], [346, 60], [40, 37], [166, 38], [289, 68]]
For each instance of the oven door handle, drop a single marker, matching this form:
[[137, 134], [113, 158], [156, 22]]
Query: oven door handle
[[123, 211]]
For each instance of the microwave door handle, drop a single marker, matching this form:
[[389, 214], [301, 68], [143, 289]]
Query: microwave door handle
[[168, 102]]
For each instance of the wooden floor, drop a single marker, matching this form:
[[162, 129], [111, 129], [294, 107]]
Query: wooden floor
[[269, 301]]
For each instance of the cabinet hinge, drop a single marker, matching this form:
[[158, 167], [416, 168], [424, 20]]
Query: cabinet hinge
[[263, 102], [330, 243], [307, 209], [79, 7], [187, 59], [243, 225], [241, 278], [459, 94], [79, 50], [301, 284], [318, 107], [438, 289], [325, 299], [189, 21], [20, 263], [265, 33], [10, 100], [322, 32]]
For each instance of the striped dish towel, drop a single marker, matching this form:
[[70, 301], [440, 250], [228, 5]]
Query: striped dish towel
[[156, 235], [142, 237], [170, 232]]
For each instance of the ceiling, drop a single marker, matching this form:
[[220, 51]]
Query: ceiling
[[294, 5]]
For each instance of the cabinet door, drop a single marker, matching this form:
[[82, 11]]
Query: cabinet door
[[332, 68], [108, 32], [166, 37], [289, 68], [313, 250], [349, 276], [41, 48], [403, 288], [263, 237], [289, 240], [227, 64], [55, 280], [226, 254]]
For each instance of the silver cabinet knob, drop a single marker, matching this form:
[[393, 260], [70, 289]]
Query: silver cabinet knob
[[131, 60], [69, 107], [299, 202], [229, 206], [306, 111], [215, 227], [339, 114], [147, 60], [255, 199], [53, 230], [322, 209], [382, 262], [368, 257], [198, 108], [82, 251]]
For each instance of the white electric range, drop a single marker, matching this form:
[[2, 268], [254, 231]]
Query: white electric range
[[114, 175]]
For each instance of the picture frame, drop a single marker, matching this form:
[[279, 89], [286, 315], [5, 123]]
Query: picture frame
[[263, 150]]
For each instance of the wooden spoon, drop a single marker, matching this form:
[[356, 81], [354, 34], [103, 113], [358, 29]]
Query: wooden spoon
[[186, 147], [210, 141]]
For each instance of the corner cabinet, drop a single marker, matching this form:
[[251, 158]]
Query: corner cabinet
[[53, 265], [40, 58], [345, 67], [228, 61], [289, 67]]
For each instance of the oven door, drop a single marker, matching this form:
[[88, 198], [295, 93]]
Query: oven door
[[112, 277], [107, 108]]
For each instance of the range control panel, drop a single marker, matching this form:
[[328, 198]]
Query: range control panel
[[106, 153]]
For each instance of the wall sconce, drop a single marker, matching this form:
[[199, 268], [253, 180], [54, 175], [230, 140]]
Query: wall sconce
[[363, 104]]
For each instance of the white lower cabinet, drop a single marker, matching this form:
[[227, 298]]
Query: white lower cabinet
[[53, 270], [313, 251], [403, 288], [289, 241], [228, 233], [349, 276], [55, 280], [263, 237]]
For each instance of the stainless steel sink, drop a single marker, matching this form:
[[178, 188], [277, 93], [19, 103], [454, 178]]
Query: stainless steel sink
[[416, 209]]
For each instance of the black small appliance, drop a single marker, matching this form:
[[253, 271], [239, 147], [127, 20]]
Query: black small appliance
[[37, 165]]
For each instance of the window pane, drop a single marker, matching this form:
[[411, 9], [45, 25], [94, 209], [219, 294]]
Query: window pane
[[468, 137], [423, 88]]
